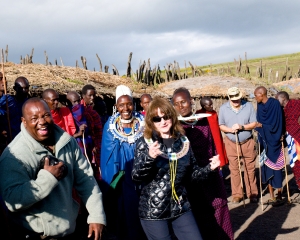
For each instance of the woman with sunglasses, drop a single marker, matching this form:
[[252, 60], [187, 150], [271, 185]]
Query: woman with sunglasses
[[164, 164], [120, 196]]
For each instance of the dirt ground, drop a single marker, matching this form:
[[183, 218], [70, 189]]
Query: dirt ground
[[253, 222]]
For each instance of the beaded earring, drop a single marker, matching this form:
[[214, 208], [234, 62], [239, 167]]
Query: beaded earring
[[114, 109]]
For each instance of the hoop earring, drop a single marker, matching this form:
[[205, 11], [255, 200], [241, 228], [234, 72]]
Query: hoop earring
[[114, 109]]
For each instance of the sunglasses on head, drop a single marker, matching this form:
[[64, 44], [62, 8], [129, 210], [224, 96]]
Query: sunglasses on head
[[158, 119]]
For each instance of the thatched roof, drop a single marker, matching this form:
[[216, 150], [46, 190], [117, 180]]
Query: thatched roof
[[213, 86], [64, 79]]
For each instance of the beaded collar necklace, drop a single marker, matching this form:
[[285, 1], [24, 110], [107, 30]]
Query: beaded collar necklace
[[117, 130], [126, 121]]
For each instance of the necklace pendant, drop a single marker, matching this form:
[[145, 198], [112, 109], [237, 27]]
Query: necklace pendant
[[192, 126]]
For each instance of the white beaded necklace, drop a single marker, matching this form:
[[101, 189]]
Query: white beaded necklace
[[126, 121]]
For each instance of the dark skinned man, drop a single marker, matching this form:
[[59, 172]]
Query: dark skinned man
[[270, 135], [39, 197]]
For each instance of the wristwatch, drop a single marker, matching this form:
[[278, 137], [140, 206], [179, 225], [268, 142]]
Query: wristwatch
[[243, 128]]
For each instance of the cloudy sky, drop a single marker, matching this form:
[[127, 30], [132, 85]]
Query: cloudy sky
[[203, 32]]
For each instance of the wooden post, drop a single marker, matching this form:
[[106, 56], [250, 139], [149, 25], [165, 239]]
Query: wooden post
[[167, 74], [129, 65], [55, 61], [31, 56], [46, 56], [21, 60], [270, 77], [26, 59], [186, 75], [106, 68], [116, 70], [76, 64], [6, 54], [62, 64], [193, 69], [100, 63], [247, 71]]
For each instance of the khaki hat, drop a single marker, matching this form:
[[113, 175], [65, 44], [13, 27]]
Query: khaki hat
[[234, 93]]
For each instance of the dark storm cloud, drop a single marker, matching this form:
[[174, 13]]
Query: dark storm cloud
[[202, 32]]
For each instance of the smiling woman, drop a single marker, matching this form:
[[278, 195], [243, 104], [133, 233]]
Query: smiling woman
[[120, 134], [165, 166]]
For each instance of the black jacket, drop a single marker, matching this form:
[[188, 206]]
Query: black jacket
[[156, 200]]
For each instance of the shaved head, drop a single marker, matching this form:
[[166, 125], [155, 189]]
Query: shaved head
[[260, 94], [51, 97], [205, 100], [22, 80], [47, 92], [34, 100], [73, 98], [261, 89]]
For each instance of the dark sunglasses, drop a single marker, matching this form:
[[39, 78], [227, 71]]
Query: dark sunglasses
[[158, 119]]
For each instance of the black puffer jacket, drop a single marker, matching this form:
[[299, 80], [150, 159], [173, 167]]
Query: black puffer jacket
[[156, 200]]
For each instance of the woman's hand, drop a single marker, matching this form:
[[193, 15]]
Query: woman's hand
[[154, 150], [215, 162]]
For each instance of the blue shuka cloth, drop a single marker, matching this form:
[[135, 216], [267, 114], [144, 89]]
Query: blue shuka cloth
[[270, 115], [120, 193], [15, 114]]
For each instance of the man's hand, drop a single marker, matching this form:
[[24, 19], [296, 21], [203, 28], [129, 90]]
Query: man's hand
[[235, 127], [56, 170], [258, 125], [95, 228]]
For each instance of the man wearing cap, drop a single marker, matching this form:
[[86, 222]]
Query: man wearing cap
[[237, 118]]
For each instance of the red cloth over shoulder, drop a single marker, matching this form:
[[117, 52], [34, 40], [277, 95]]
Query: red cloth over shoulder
[[217, 136], [63, 118], [292, 113]]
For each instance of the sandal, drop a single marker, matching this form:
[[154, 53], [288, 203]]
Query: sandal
[[278, 202], [270, 201]]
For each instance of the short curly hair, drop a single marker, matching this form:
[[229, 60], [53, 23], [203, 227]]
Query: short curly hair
[[86, 88]]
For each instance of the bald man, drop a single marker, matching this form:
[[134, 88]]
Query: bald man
[[62, 116], [270, 135], [88, 123], [39, 197]]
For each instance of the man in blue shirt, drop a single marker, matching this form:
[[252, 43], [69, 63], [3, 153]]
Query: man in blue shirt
[[237, 118]]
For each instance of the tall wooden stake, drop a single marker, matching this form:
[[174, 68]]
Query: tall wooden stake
[[5, 92]]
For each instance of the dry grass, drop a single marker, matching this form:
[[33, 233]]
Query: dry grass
[[64, 79]]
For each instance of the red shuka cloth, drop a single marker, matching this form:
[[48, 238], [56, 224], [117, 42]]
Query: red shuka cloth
[[217, 136], [63, 118], [292, 113]]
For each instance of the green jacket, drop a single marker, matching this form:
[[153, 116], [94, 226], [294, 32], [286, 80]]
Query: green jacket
[[43, 204]]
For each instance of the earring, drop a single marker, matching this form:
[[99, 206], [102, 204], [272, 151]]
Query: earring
[[193, 108], [114, 109]]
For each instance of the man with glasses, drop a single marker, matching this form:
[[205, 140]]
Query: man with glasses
[[237, 118]]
